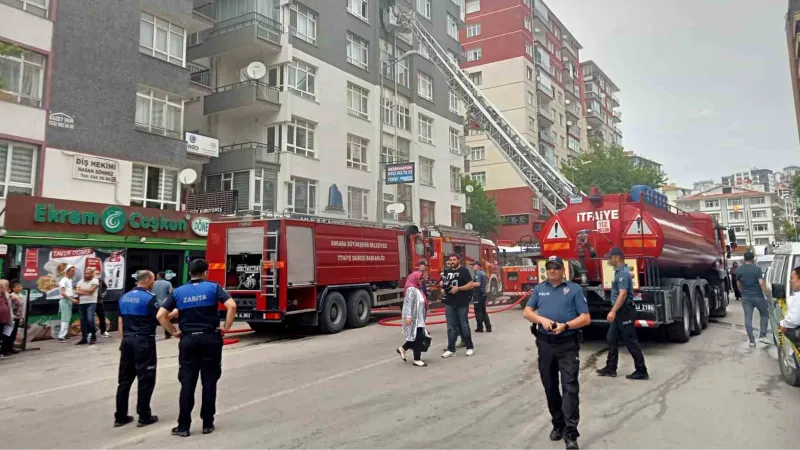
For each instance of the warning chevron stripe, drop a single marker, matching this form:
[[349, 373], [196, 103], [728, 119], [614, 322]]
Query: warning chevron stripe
[[216, 266]]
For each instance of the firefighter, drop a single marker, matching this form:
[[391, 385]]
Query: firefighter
[[621, 318], [559, 308], [200, 348], [137, 326]]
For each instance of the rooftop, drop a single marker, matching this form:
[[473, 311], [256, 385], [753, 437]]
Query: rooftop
[[596, 69]]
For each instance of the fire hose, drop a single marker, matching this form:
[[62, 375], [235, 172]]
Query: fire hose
[[398, 321]]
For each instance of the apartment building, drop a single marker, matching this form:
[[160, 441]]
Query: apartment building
[[312, 134], [792, 27], [752, 179], [526, 62], [674, 193], [754, 215], [602, 117]]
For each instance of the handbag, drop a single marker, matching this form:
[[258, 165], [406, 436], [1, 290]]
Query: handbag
[[426, 343]]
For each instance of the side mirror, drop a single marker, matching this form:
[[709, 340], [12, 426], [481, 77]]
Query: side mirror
[[778, 291]]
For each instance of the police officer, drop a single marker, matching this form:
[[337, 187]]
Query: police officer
[[137, 326], [559, 308], [200, 348], [621, 318]]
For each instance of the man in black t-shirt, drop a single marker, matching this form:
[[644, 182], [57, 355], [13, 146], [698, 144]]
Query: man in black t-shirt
[[457, 286]]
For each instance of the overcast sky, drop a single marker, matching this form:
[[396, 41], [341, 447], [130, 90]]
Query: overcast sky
[[705, 87]]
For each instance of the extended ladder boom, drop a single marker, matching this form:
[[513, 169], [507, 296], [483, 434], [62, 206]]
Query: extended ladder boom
[[549, 185]]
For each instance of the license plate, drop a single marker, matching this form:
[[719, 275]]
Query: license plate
[[645, 307], [244, 315]]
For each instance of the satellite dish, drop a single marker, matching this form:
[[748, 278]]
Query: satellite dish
[[468, 226], [396, 208], [469, 188], [187, 176], [255, 70]]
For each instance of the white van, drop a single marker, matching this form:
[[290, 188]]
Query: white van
[[786, 258], [764, 262]]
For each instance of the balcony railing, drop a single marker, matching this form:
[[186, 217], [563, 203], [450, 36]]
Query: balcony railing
[[618, 115], [263, 91], [200, 75], [573, 109], [546, 113], [263, 152], [547, 138], [545, 89], [206, 8], [268, 29]]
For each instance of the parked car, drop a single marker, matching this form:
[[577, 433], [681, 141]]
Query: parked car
[[786, 258]]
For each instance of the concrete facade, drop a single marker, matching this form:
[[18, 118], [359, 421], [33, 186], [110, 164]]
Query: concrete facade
[[602, 117]]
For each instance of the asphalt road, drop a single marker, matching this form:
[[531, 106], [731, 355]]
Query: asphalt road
[[351, 390]]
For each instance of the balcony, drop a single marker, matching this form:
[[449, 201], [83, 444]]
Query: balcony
[[614, 100], [546, 116], [248, 36], [570, 73], [575, 131], [200, 79], [539, 21], [594, 95], [596, 116], [242, 99], [574, 110], [545, 93], [617, 117], [248, 153], [202, 16], [547, 138], [617, 131]]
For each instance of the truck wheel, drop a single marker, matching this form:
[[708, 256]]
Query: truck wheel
[[790, 369], [705, 309], [697, 315], [334, 313], [359, 308], [493, 290], [680, 329]]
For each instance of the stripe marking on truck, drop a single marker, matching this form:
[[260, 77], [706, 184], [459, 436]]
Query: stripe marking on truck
[[216, 266], [646, 324]]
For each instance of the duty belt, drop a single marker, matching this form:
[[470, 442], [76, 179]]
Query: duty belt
[[124, 335], [556, 338]]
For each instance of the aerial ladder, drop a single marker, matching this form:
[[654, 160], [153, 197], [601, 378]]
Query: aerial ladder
[[548, 184]]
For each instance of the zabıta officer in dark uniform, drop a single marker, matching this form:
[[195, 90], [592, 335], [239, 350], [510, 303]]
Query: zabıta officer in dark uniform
[[200, 348], [621, 318], [137, 326], [559, 308]]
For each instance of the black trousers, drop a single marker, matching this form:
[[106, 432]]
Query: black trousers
[[558, 355], [481, 316], [7, 342], [101, 315], [137, 360], [417, 344], [200, 355], [623, 329]]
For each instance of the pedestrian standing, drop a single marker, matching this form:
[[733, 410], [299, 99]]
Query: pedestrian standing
[[621, 318], [67, 299], [415, 306], [457, 284], [736, 292], [138, 358], [102, 288], [18, 313], [479, 298], [200, 348], [86, 290], [558, 308], [750, 280], [6, 319], [162, 289]]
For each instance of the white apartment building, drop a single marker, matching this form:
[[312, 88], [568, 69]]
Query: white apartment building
[[754, 216], [602, 115]]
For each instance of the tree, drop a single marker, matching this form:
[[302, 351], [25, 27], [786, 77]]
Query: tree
[[481, 209], [7, 50], [786, 231], [611, 170]]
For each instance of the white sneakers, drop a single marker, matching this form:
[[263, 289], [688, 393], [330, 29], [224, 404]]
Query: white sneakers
[[106, 335], [449, 354], [765, 340], [402, 352], [470, 352]]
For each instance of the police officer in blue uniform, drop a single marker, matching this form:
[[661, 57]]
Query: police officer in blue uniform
[[137, 326], [621, 318], [200, 348], [558, 309]]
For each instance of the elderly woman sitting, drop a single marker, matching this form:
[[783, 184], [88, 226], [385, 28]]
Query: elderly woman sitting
[[790, 324]]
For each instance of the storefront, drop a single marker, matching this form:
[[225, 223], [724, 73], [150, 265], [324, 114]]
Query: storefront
[[39, 233]]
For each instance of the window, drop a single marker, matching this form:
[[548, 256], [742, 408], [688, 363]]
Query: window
[[424, 8], [531, 99], [760, 214], [403, 73], [358, 8], [425, 125], [557, 32], [455, 179], [303, 23], [453, 56], [35, 7], [478, 177], [761, 227], [712, 203], [455, 141], [301, 195], [573, 144], [300, 137], [736, 216], [531, 123], [475, 132], [474, 54], [403, 113], [473, 6], [357, 51], [529, 49], [233, 181], [758, 200], [302, 79], [529, 73], [473, 29], [735, 202], [264, 198], [425, 86], [477, 154], [455, 105], [762, 241], [425, 171], [427, 212], [715, 216], [357, 200], [17, 168], [423, 50], [528, 24], [477, 78], [391, 155], [357, 101], [452, 27], [357, 152], [154, 187], [161, 39], [159, 113], [23, 77], [550, 47]]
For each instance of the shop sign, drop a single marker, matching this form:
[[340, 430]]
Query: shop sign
[[89, 168], [113, 219], [400, 173], [200, 226], [197, 144]]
